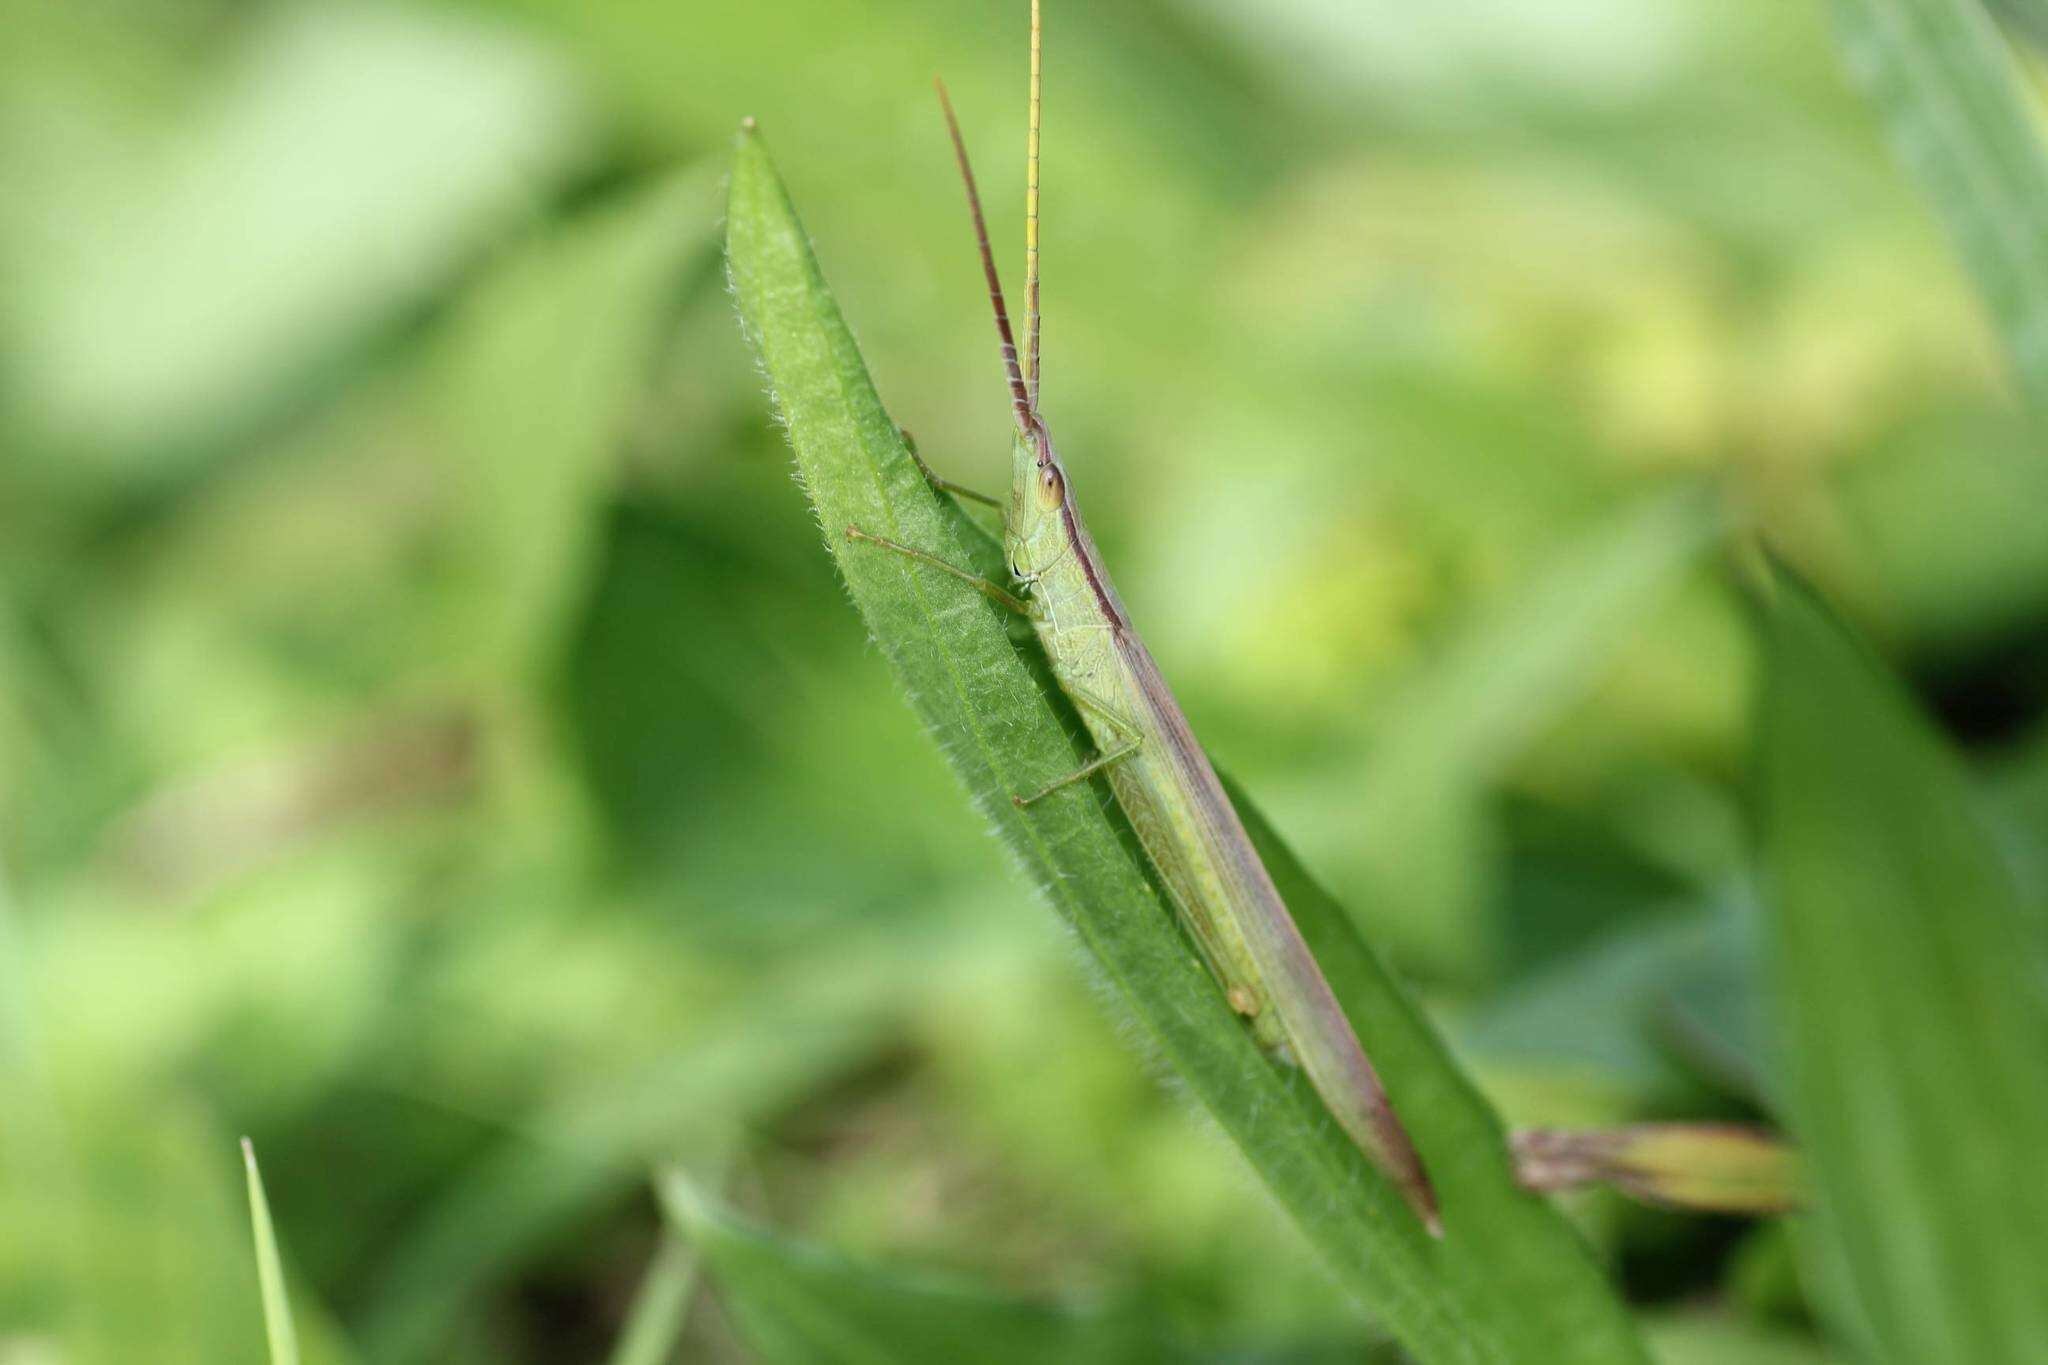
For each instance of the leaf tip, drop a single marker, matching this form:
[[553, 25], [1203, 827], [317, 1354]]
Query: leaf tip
[[752, 171], [680, 1198]]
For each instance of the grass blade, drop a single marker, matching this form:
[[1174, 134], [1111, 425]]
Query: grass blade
[[540, 370], [1509, 1282], [277, 1309], [1954, 102], [1910, 985], [655, 1322]]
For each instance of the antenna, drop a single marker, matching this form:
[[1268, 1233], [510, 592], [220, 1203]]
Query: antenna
[[1031, 322], [1020, 397]]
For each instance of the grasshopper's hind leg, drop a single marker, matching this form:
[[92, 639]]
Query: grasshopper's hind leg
[[1002, 597]]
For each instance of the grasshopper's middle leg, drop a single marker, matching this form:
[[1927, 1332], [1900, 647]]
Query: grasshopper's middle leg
[[1000, 596], [1129, 741]]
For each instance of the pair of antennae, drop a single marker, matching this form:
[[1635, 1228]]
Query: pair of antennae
[[1023, 374]]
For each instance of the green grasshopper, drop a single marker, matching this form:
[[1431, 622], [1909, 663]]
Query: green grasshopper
[[1157, 770]]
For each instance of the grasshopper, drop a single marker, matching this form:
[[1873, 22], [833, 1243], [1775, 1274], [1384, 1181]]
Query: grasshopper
[[1145, 748]]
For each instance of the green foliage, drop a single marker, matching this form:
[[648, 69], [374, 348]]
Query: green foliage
[[1910, 980], [799, 1305], [1707, 1341], [542, 366], [318, 116], [1507, 1282], [277, 1308], [431, 742], [505, 1205], [655, 1323], [1961, 115], [1452, 729]]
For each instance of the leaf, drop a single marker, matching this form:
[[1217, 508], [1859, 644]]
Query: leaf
[[1910, 983], [1712, 1016], [1509, 1282], [1597, 1012], [1954, 102], [590, 1144], [655, 1322], [542, 366], [344, 164], [2028, 19], [277, 1309], [1507, 675], [1511, 671], [805, 1306]]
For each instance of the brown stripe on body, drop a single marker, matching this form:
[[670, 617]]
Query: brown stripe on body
[[1082, 543], [1232, 859]]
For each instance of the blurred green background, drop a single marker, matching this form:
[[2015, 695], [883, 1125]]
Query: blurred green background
[[433, 743]]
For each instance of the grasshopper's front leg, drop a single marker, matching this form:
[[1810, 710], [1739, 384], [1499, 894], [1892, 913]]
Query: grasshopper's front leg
[[943, 485], [1002, 597], [1129, 741]]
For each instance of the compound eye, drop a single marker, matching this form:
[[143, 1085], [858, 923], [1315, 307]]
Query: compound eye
[[1052, 488]]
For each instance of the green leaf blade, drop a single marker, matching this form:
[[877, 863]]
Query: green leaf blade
[[537, 375], [1956, 107], [1910, 991], [654, 1324], [1522, 1289], [277, 1308], [1527, 1255]]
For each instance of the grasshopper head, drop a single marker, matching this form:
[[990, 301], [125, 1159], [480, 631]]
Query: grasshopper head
[[1034, 530]]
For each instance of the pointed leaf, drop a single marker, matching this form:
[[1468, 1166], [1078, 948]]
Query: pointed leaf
[[655, 1322], [1910, 983], [277, 1309], [1507, 1282], [542, 366]]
